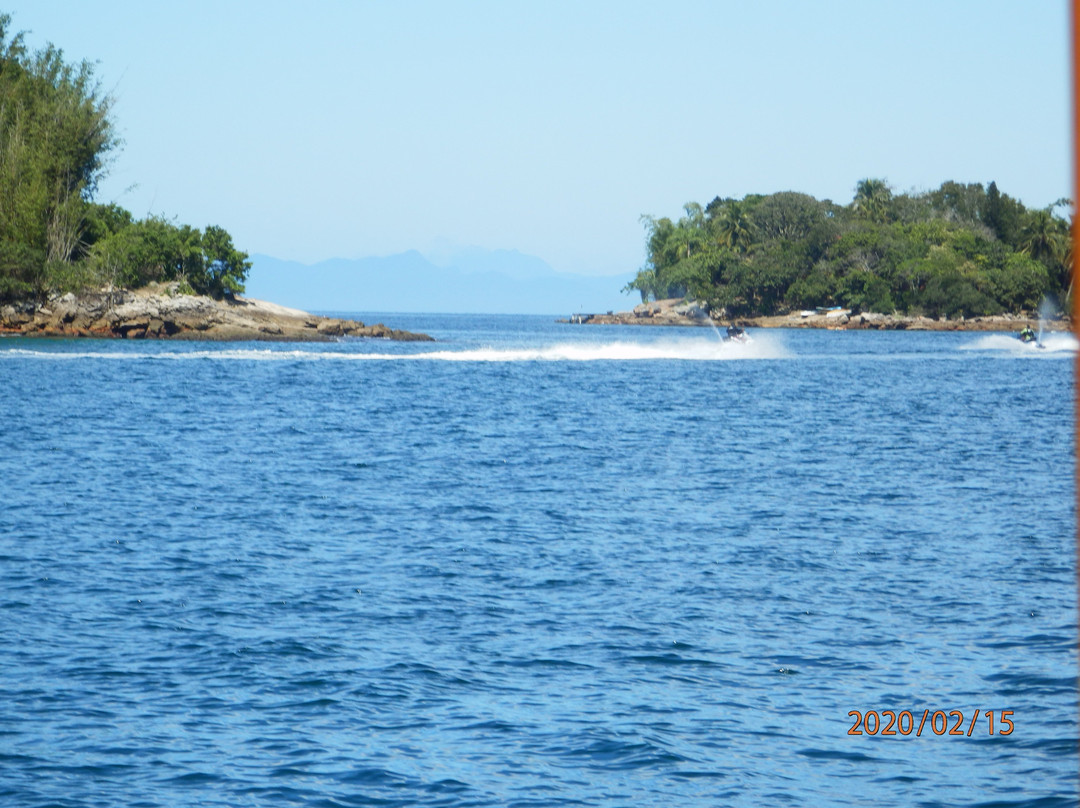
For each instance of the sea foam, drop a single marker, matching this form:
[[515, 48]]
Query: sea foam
[[702, 350]]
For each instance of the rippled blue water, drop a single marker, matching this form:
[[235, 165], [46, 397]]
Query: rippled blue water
[[536, 564]]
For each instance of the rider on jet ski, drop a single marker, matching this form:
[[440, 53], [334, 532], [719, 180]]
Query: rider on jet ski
[[736, 334]]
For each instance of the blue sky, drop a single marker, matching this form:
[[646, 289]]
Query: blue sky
[[349, 129]]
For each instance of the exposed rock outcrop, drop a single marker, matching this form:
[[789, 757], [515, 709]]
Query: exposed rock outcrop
[[675, 311], [678, 312], [159, 312]]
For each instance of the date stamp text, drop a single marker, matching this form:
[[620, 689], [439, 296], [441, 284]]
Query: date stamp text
[[937, 722]]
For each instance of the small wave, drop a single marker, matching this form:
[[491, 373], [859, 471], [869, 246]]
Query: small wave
[[1056, 342], [612, 753], [692, 350], [837, 754], [198, 778]]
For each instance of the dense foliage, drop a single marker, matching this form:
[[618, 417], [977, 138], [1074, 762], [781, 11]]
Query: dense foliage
[[55, 137], [961, 250]]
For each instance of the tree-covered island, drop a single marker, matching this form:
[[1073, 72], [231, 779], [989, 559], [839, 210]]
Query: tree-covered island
[[57, 137], [72, 266], [963, 250]]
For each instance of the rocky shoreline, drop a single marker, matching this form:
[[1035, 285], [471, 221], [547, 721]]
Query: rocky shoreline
[[678, 312], [160, 312]]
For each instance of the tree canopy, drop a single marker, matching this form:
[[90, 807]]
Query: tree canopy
[[960, 250], [56, 136]]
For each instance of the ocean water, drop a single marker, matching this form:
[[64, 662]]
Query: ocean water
[[537, 564]]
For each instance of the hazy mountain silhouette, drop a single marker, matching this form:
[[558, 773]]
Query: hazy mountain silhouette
[[470, 280]]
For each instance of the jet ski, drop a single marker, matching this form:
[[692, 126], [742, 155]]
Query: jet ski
[[1027, 336], [736, 334]]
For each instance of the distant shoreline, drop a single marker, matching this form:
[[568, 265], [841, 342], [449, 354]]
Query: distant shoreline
[[677, 312]]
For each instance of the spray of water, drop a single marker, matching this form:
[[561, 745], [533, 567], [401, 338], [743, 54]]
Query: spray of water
[[716, 330], [1055, 343], [703, 314], [1047, 309]]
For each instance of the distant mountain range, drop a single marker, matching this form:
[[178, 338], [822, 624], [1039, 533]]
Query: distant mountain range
[[469, 281]]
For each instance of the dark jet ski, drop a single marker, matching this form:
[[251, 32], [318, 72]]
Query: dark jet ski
[[735, 334], [1027, 336]]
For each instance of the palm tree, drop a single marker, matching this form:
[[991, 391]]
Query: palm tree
[[686, 240], [872, 198], [690, 231], [1045, 237], [1042, 237], [734, 227]]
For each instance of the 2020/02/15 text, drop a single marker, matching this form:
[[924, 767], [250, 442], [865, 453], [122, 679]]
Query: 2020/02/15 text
[[938, 722]]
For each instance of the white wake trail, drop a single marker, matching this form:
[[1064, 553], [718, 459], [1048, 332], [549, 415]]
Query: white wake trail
[[698, 350], [1056, 342]]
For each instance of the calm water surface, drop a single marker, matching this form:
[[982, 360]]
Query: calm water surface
[[536, 564]]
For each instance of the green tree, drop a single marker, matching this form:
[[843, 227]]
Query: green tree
[[55, 137], [872, 199], [733, 227], [1001, 214], [226, 267], [817, 288], [866, 291], [1019, 284], [156, 250], [947, 252], [55, 132], [959, 202], [1043, 237], [644, 283], [659, 253], [787, 216], [22, 271], [669, 244]]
